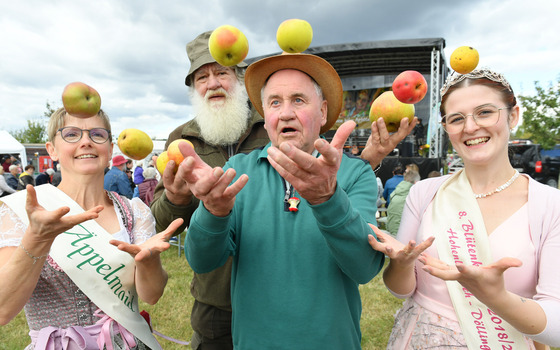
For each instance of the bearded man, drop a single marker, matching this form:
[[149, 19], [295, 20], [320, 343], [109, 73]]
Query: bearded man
[[224, 124]]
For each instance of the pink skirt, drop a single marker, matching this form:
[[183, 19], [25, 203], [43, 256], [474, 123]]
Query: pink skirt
[[418, 328]]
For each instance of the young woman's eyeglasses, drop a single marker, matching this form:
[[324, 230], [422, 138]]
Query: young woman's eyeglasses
[[73, 134], [484, 116]]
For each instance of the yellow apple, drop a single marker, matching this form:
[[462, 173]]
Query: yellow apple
[[294, 35], [81, 100], [162, 161], [135, 144], [388, 107], [464, 59], [228, 45]]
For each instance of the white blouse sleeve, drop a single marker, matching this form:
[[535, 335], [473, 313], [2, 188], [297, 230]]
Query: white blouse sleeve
[[144, 222], [12, 227]]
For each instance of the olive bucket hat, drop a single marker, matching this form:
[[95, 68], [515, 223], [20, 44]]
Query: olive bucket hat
[[199, 55]]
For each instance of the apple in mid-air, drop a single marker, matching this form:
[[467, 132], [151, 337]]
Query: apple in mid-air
[[410, 87], [294, 35], [464, 59], [228, 45], [388, 107], [135, 143], [81, 100]]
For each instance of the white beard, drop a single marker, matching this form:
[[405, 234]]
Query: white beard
[[222, 123]]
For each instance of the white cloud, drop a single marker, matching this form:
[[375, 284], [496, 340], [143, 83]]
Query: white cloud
[[134, 54]]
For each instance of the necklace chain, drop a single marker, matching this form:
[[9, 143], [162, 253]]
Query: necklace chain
[[499, 188]]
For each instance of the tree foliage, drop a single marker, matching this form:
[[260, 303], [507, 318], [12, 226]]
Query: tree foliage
[[36, 130], [541, 116]]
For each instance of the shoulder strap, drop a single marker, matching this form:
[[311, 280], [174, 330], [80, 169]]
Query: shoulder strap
[[126, 212]]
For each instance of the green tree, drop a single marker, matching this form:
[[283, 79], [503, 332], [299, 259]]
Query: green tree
[[541, 116], [36, 130]]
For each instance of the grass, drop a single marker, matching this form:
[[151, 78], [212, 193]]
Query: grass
[[171, 315]]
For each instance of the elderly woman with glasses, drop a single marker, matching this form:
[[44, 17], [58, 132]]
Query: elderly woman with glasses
[[78, 258], [484, 273]]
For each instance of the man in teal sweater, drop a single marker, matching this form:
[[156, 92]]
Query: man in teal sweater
[[294, 220]]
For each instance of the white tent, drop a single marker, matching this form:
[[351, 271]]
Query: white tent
[[9, 145]]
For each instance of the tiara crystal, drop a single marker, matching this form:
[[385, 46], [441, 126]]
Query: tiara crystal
[[455, 78]]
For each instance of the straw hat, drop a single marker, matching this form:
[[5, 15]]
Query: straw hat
[[317, 68]]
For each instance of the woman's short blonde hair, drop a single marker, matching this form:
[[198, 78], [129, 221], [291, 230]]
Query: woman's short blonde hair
[[57, 121]]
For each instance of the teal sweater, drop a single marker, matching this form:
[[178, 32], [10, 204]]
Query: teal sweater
[[295, 274]]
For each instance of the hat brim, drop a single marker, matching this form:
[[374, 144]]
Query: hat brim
[[204, 59], [317, 68]]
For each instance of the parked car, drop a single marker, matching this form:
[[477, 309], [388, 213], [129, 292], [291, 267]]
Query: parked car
[[527, 158]]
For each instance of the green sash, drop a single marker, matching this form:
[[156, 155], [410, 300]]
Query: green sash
[[104, 273]]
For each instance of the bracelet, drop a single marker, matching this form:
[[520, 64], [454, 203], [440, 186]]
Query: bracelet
[[378, 167], [35, 258]]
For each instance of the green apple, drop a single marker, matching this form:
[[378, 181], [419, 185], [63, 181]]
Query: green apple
[[228, 45], [388, 107], [135, 144], [294, 35], [81, 100]]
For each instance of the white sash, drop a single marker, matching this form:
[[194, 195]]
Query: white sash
[[104, 273], [462, 237]]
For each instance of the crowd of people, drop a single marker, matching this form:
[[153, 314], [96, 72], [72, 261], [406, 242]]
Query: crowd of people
[[471, 251]]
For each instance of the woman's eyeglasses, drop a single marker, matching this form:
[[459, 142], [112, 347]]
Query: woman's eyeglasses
[[484, 116], [73, 134]]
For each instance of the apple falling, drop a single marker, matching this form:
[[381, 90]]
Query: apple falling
[[228, 45]]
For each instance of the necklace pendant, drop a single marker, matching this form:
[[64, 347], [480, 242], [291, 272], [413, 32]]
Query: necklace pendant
[[294, 202]]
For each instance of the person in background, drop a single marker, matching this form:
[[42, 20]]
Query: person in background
[[315, 208], [476, 253], [12, 177], [45, 177], [116, 179], [434, 173], [4, 188], [57, 177], [411, 166], [225, 124], [138, 178], [6, 162], [146, 189], [26, 178], [46, 250], [392, 183], [398, 198]]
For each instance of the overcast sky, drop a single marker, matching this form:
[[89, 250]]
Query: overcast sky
[[133, 51]]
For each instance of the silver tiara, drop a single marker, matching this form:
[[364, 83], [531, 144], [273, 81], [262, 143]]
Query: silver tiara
[[455, 78]]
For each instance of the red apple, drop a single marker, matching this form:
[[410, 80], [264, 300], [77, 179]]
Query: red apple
[[81, 100], [410, 87]]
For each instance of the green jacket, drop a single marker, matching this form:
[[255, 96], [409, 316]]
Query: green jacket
[[396, 206], [210, 288]]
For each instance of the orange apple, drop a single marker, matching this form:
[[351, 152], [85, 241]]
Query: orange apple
[[81, 100], [388, 107], [410, 87], [228, 45], [294, 35]]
